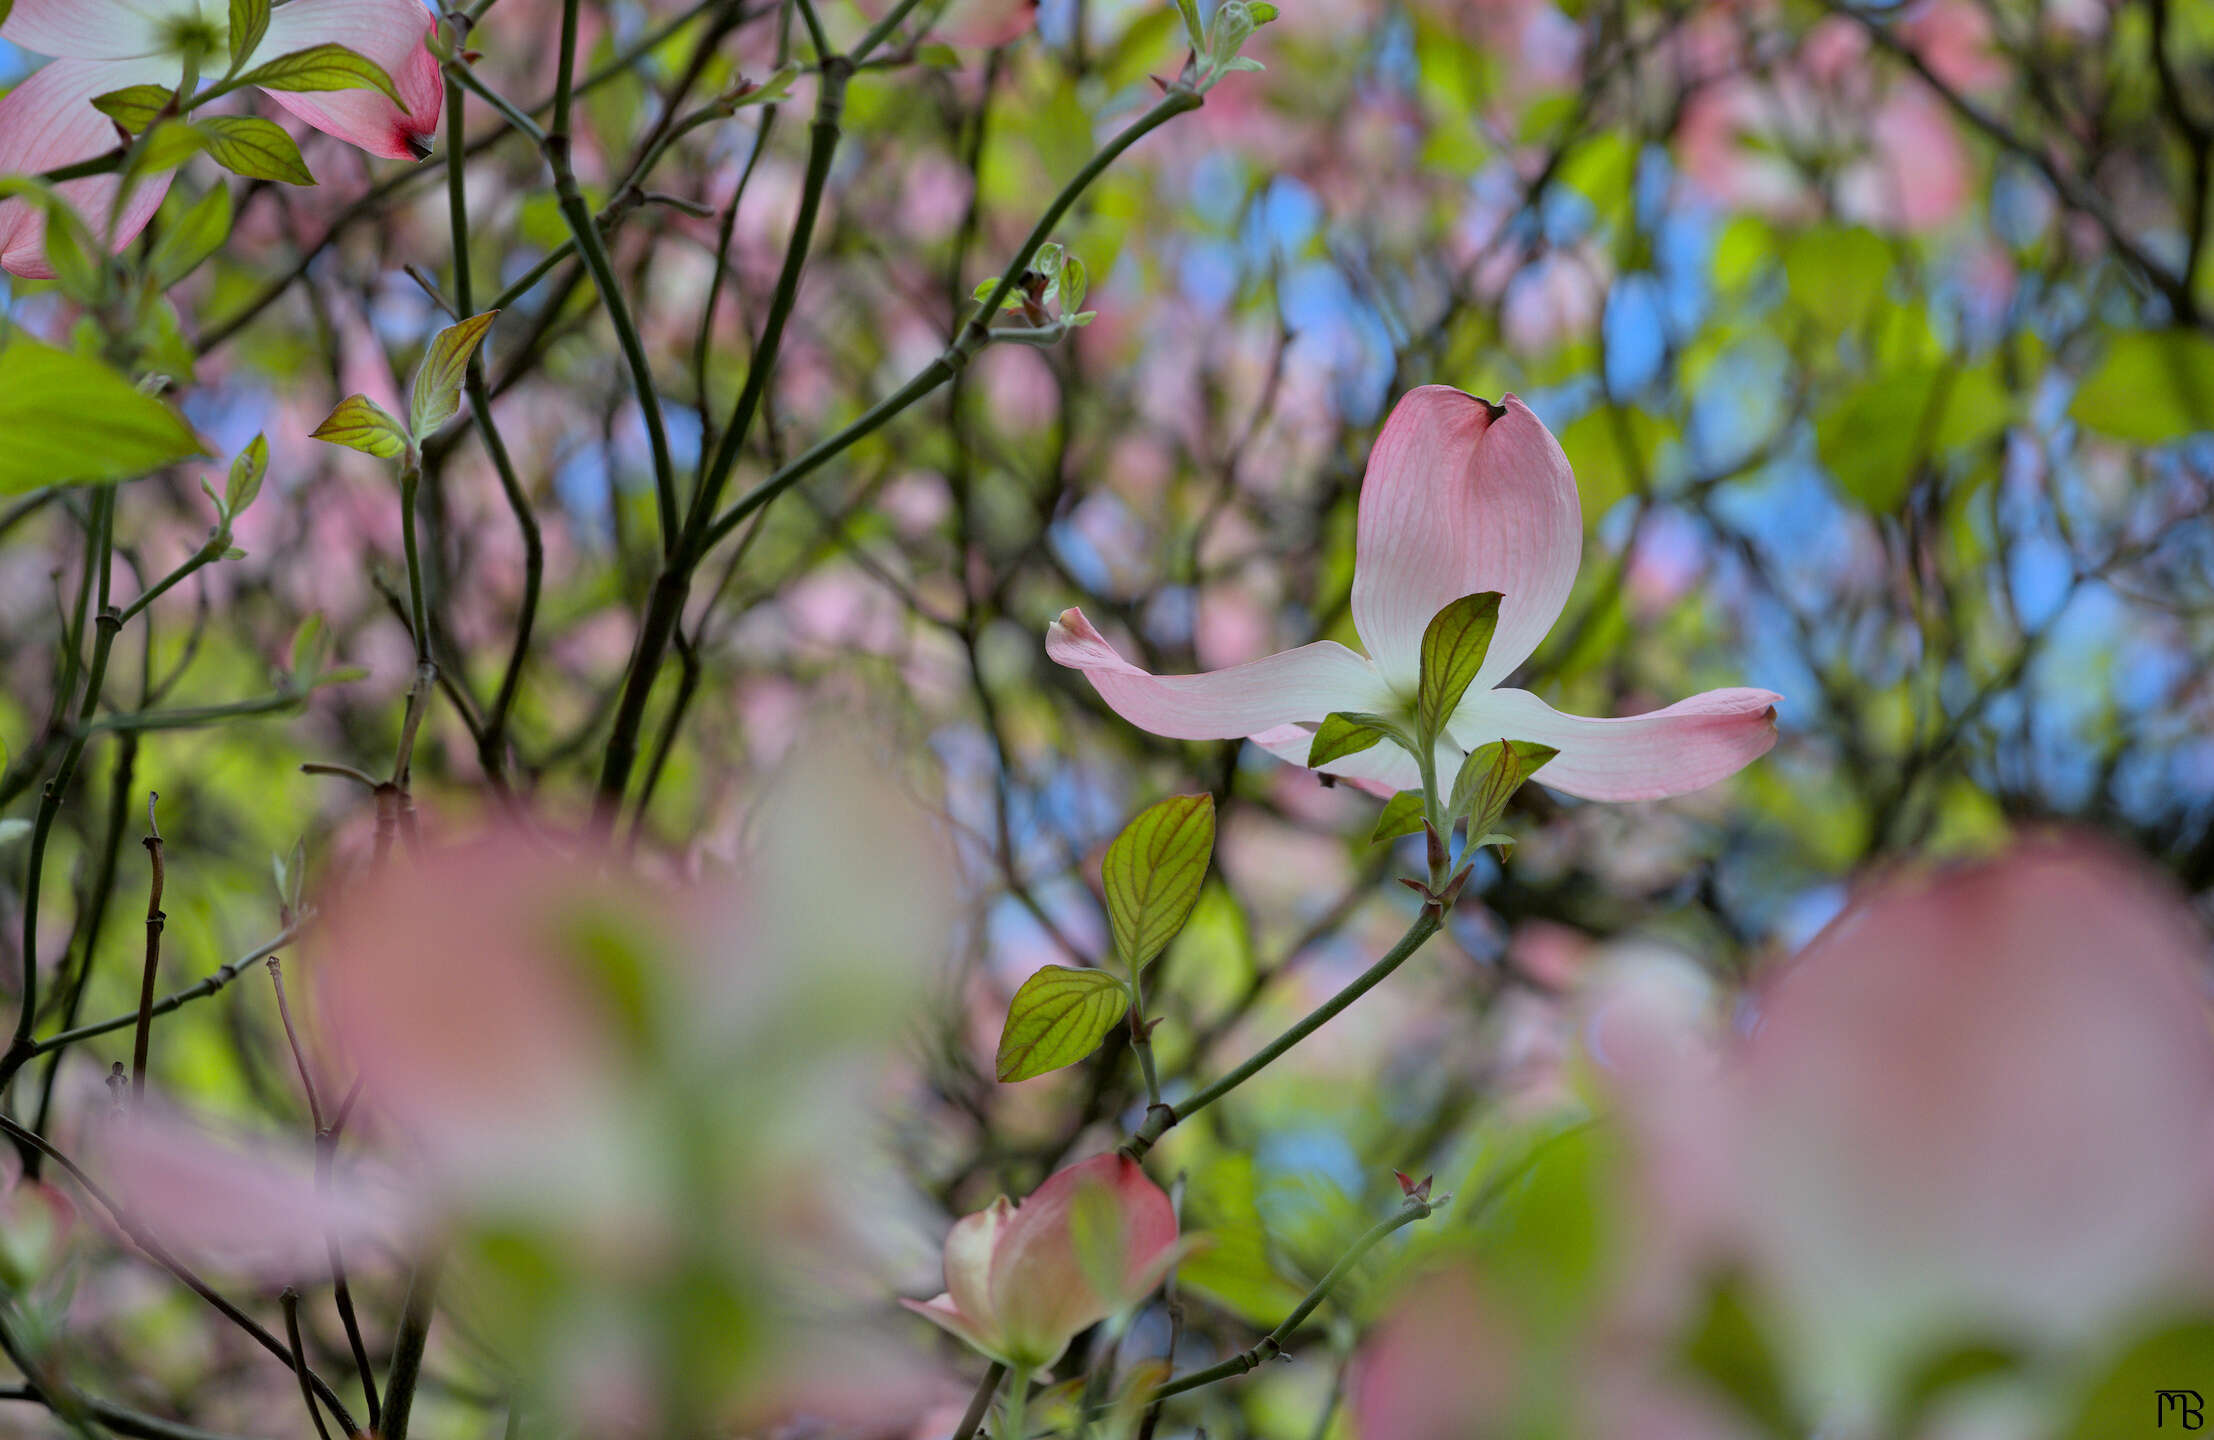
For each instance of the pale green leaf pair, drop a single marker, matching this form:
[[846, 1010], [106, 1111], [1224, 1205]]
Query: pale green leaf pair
[[1152, 877], [359, 423]]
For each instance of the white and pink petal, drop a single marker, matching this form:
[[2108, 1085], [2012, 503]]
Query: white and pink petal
[[1683, 747], [48, 122], [1293, 685], [390, 32], [1463, 496]]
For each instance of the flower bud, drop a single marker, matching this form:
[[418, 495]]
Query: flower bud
[[1023, 1280]]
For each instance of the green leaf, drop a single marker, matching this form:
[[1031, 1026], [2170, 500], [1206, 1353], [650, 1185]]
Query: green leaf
[[311, 649], [1934, 1376], [1075, 280], [69, 418], [329, 66], [165, 147], [437, 391], [255, 148], [1730, 1352], [1489, 777], [1504, 844], [246, 472], [249, 22], [134, 106], [195, 235], [359, 423], [2152, 386], [1343, 733], [1153, 872], [1454, 644], [1058, 1017], [1402, 816]]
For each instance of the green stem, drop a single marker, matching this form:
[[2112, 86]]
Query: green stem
[[407, 1349], [1012, 1422], [1272, 1344], [586, 232], [1161, 1117]]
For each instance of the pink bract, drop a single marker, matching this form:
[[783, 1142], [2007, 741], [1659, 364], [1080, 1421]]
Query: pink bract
[[1461, 496]]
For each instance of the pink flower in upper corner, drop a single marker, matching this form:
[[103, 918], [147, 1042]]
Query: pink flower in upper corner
[[1019, 1286], [1461, 496], [101, 46]]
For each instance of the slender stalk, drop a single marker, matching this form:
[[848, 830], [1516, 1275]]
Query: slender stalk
[[1272, 1344], [973, 1418], [20, 1048], [1161, 1117], [160, 1255], [972, 337], [290, 1300], [407, 1350], [586, 232], [205, 988], [155, 919], [1013, 1425], [491, 748]]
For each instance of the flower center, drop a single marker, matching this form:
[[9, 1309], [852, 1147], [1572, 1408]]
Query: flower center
[[194, 37]]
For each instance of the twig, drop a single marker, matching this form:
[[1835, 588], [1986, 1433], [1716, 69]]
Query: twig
[[290, 1300], [155, 919]]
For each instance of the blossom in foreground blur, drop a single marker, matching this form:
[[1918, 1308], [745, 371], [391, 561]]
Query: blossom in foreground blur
[[637, 1105], [1461, 496], [1023, 1280], [102, 46], [1975, 1116]]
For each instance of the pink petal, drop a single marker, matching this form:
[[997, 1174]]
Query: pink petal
[[969, 1247], [1041, 1294], [390, 32], [942, 1313], [48, 121], [1303, 684], [1686, 746], [83, 30], [1461, 498], [240, 1203]]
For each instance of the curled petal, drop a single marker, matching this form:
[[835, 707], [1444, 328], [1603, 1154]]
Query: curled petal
[[48, 121], [1042, 1291], [390, 32], [969, 1248], [1688, 745], [1462, 497], [1303, 684], [944, 1314]]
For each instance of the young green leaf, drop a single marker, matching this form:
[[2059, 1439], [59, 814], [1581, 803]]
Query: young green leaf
[[134, 106], [1153, 872], [70, 418], [168, 145], [1504, 844], [1402, 816], [1344, 733], [197, 234], [359, 423], [1058, 1017], [253, 147], [1075, 280], [249, 22], [329, 66], [1454, 644], [246, 472], [437, 392], [1489, 777], [311, 649]]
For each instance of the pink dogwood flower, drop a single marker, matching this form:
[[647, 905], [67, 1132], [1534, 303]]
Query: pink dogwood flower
[[100, 46], [1018, 1285], [1461, 496]]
